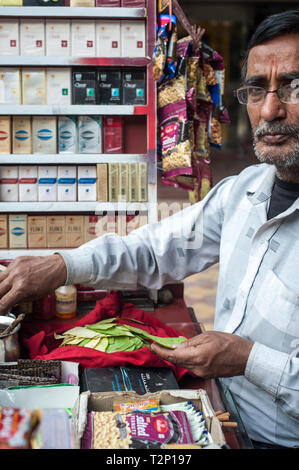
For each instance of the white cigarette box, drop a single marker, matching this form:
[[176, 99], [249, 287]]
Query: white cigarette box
[[87, 178], [28, 183], [108, 41], [133, 38], [67, 134], [47, 183], [59, 86], [32, 37], [17, 231], [67, 183], [9, 37], [44, 134], [83, 38], [34, 86], [58, 37], [5, 134], [10, 86], [21, 135], [90, 134], [9, 184]]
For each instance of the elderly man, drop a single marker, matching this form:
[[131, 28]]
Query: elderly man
[[250, 224]]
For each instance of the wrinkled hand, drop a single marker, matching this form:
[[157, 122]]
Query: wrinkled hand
[[210, 354], [29, 278]]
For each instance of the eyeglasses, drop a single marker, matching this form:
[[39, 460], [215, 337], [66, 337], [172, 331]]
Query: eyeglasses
[[256, 94]]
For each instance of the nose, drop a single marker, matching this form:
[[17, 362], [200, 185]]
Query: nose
[[272, 108]]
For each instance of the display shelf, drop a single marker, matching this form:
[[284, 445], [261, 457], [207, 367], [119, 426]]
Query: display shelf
[[71, 159], [69, 61], [73, 12], [12, 254], [52, 110], [95, 207]]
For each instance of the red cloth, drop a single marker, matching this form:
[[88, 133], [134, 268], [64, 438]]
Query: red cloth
[[38, 338]]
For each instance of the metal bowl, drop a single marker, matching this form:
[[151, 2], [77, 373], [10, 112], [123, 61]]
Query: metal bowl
[[9, 344]]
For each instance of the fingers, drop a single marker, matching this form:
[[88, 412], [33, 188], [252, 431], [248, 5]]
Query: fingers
[[7, 302], [179, 355]]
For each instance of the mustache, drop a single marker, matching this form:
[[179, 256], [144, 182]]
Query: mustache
[[279, 128]]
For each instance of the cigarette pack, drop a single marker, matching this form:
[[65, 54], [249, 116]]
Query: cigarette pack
[[47, 183], [44, 134], [10, 86], [74, 231], [83, 37], [113, 134], [123, 182], [90, 222], [136, 221], [67, 183], [87, 179], [9, 183], [5, 134], [11, 3], [109, 86], [56, 231], [133, 38], [133, 3], [32, 37], [21, 135], [108, 38], [133, 182], [58, 37], [59, 86], [108, 3], [134, 87], [82, 3], [67, 134], [28, 183], [3, 231], [90, 134], [44, 3], [34, 86], [37, 231], [102, 182], [142, 182], [9, 37], [113, 181], [17, 231], [121, 225], [110, 225], [84, 85]]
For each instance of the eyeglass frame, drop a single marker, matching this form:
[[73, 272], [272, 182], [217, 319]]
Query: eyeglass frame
[[295, 81]]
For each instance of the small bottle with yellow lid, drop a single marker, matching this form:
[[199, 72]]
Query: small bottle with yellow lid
[[66, 302]]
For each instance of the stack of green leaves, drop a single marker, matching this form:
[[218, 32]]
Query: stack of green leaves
[[109, 336]]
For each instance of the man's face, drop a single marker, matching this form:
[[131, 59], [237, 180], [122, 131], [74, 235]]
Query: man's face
[[275, 125]]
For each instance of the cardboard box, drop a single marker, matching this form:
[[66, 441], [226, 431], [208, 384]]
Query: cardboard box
[[133, 38], [103, 401], [34, 86], [37, 231], [90, 222], [5, 135], [84, 86], [134, 87], [87, 187], [10, 85], [109, 86], [142, 182], [9, 183], [113, 140], [9, 37], [32, 37], [58, 37], [28, 183], [47, 183], [44, 134], [83, 37], [113, 181], [108, 38], [3, 231], [123, 182], [74, 231], [59, 86], [17, 231], [67, 183], [90, 134], [56, 231], [102, 182], [67, 134], [133, 182], [21, 135]]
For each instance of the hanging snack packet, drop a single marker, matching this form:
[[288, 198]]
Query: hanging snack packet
[[171, 59], [171, 91], [175, 135], [160, 53], [215, 132], [210, 75], [201, 141]]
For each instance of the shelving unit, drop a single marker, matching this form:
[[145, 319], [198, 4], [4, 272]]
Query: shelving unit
[[148, 110]]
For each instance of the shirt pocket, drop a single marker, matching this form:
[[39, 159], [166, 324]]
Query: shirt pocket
[[278, 304]]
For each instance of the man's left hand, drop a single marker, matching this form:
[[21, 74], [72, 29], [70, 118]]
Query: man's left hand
[[210, 354]]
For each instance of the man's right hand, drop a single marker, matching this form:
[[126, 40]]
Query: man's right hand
[[29, 278]]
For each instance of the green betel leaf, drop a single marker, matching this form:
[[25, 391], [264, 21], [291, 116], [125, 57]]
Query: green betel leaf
[[102, 345], [81, 332], [168, 342], [84, 342]]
